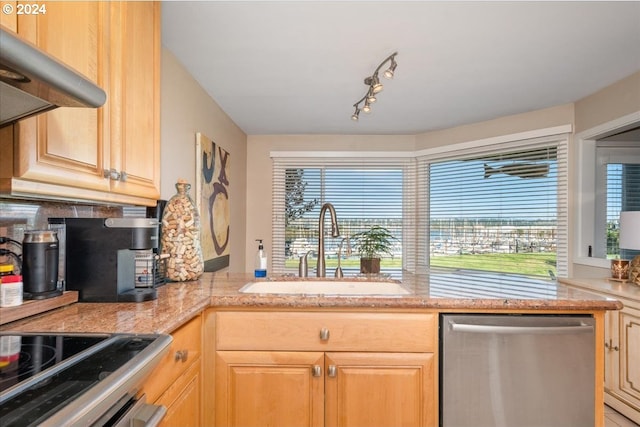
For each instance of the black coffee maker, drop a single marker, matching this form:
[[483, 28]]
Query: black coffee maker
[[110, 259]]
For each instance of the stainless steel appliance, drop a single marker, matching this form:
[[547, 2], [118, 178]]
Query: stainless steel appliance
[[33, 82], [77, 379], [40, 264], [517, 371], [111, 259]]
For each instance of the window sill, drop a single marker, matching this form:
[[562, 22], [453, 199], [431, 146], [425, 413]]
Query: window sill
[[593, 262]]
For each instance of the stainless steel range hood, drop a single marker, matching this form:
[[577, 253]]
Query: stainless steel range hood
[[32, 82]]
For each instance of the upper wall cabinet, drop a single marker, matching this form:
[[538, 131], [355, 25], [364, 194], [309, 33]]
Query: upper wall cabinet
[[110, 154]]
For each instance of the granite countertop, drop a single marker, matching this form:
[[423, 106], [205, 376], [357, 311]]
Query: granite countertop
[[440, 291], [176, 304], [607, 286], [179, 302]]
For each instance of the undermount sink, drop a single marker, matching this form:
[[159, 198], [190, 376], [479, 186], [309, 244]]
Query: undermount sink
[[325, 287]]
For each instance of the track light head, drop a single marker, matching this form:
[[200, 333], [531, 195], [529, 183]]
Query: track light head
[[367, 107], [389, 71], [356, 114], [376, 86], [371, 98]]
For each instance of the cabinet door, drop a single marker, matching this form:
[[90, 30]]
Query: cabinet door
[[258, 388], [66, 146], [380, 389], [135, 95], [611, 351], [630, 354], [182, 400]]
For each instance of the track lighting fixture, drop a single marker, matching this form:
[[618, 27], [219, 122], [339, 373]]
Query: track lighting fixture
[[375, 86]]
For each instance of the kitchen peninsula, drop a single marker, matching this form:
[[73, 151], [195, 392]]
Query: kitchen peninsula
[[246, 337]]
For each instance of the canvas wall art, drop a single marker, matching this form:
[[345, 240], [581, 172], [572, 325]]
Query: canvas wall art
[[212, 199]]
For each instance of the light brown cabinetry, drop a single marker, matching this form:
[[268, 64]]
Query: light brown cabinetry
[[621, 345], [325, 369], [107, 154], [622, 360], [177, 380]]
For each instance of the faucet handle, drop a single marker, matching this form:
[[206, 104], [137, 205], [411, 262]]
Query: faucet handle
[[303, 266]]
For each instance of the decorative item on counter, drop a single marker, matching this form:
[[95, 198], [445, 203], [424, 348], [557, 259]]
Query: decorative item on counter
[[371, 244], [181, 236], [10, 291], [630, 239], [619, 269]]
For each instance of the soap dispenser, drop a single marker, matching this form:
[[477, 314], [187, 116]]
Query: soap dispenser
[[261, 261]]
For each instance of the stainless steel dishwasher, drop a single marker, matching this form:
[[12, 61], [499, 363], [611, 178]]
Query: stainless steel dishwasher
[[517, 371]]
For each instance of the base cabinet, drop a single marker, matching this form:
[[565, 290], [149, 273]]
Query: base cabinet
[[176, 382], [621, 345], [258, 388], [182, 400], [325, 369], [622, 361]]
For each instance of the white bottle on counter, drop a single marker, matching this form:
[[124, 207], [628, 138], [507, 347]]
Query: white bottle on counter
[[261, 261]]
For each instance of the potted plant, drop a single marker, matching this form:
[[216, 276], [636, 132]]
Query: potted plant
[[371, 244]]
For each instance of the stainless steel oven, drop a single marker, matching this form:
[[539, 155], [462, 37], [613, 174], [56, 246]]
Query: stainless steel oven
[[77, 379]]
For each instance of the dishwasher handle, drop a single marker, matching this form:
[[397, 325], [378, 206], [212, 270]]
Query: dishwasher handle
[[504, 329]]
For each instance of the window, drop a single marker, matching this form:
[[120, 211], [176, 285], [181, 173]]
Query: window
[[498, 211], [498, 206], [618, 189], [607, 182], [364, 192]]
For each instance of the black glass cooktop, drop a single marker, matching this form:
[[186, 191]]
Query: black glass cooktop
[[39, 374]]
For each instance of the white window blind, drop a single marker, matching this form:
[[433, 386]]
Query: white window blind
[[499, 208], [364, 191]]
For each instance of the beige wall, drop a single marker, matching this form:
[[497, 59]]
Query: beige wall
[[186, 109], [612, 102], [259, 172], [540, 119]]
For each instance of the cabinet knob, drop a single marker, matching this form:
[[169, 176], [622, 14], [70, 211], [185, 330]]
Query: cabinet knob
[[181, 355], [332, 371], [123, 176], [324, 334], [316, 371]]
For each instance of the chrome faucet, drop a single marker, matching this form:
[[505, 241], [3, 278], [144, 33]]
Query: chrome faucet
[[335, 232]]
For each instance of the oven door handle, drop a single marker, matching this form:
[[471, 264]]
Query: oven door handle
[[142, 414]]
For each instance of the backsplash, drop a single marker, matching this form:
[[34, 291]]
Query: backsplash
[[16, 216]]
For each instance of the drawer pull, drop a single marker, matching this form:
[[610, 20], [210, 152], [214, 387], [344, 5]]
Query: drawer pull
[[324, 334], [609, 345], [181, 355], [332, 371], [316, 371]]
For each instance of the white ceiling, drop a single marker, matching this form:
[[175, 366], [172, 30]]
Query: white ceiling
[[297, 67]]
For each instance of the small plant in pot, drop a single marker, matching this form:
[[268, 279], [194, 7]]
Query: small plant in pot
[[371, 244]]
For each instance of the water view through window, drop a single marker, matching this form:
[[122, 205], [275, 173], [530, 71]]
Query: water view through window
[[496, 212]]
